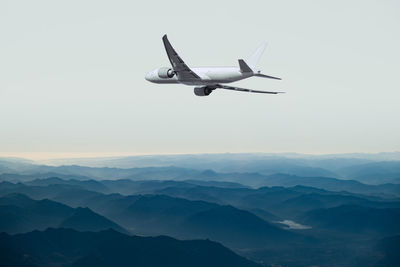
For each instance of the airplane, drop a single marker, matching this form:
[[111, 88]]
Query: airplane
[[207, 79]]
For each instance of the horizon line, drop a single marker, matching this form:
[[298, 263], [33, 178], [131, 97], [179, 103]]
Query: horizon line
[[43, 156]]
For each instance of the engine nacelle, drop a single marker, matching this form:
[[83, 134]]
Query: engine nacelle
[[165, 73], [202, 91]]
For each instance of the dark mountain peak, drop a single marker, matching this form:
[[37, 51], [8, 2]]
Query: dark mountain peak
[[84, 219]]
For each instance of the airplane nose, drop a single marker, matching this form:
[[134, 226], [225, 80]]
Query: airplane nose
[[148, 76]]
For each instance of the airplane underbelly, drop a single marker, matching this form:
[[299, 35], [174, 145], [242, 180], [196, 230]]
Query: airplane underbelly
[[210, 77], [206, 82], [166, 81]]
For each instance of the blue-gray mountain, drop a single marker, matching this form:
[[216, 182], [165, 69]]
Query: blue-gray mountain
[[239, 203], [66, 247], [368, 168], [20, 214]]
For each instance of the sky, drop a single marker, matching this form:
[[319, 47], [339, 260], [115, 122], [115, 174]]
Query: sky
[[72, 77]]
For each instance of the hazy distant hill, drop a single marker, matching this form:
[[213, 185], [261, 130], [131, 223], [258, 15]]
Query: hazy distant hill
[[308, 202], [236, 228], [374, 172], [279, 201], [356, 219], [226, 160], [145, 179], [63, 247], [128, 187], [32, 172], [20, 213], [15, 165], [333, 184], [72, 194], [282, 202], [243, 197], [198, 219], [85, 184], [369, 168], [15, 176]]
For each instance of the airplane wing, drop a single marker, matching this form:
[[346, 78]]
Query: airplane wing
[[182, 70], [245, 90]]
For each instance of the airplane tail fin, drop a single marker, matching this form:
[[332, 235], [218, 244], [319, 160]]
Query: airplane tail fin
[[255, 57], [244, 67]]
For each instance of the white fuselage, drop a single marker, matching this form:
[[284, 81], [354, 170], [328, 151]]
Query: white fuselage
[[208, 76]]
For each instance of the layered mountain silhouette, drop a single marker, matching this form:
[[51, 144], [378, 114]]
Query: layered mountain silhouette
[[281, 202], [67, 247], [160, 214], [374, 172], [347, 218], [154, 215], [368, 168], [332, 184], [236, 227], [84, 184], [23, 214], [83, 219]]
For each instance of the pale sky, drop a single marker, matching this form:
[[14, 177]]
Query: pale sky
[[72, 77]]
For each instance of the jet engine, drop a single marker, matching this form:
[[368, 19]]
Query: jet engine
[[202, 91], [165, 73]]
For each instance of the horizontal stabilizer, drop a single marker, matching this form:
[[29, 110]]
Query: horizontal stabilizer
[[266, 76]]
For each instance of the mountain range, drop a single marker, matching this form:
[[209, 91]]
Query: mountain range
[[355, 219], [67, 247], [23, 214], [366, 168], [303, 211]]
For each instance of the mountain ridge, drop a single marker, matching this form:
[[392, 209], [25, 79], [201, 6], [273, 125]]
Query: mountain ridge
[[55, 247]]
